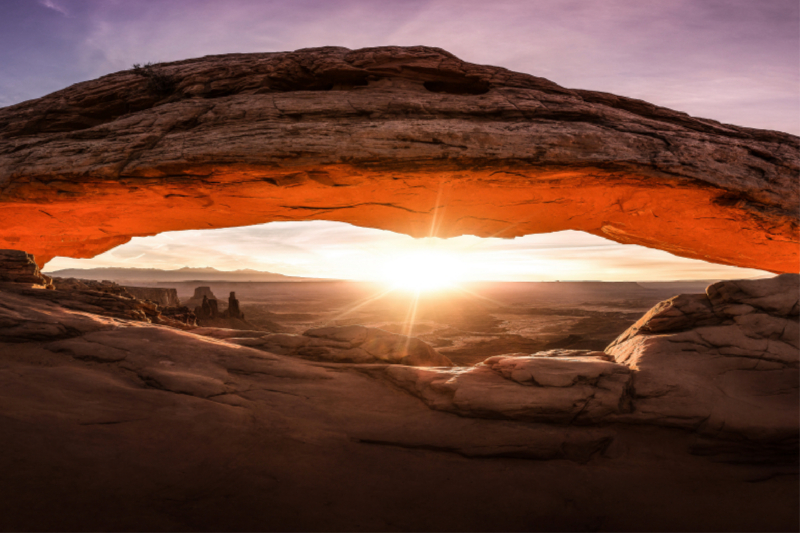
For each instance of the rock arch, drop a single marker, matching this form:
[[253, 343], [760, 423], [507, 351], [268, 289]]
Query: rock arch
[[412, 140]]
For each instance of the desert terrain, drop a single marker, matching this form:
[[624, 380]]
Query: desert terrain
[[331, 406], [116, 417], [467, 323]]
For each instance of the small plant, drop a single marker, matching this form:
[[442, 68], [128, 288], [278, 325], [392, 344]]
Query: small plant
[[158, 81]]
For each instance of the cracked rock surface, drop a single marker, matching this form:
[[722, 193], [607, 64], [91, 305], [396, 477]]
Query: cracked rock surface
[[723, 363], [394, 138], [110, 423]]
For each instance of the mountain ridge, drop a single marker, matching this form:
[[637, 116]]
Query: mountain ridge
[[179, 274]]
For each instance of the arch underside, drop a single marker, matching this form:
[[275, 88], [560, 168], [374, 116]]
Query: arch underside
[[488, 203]]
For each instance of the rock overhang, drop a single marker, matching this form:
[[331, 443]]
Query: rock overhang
[[411, 139]]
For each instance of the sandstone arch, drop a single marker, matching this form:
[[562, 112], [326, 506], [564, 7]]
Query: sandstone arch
[[408, 139]]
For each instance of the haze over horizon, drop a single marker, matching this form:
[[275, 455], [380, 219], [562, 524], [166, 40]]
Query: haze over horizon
[[323, 249], [735, 61]]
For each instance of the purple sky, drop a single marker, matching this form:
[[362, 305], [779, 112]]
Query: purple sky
[[736, 61]]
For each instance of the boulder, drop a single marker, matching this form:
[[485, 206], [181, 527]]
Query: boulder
[[721, 363], [563, 390]]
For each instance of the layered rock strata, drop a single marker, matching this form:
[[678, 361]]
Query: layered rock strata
[[111, 423], [411, 139], [725, 363], [200, 293], [162, 297], [17, 266], [103, 298]]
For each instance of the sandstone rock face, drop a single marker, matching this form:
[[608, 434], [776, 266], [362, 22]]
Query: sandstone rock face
[[562, 390], [19, 267], [113, 424], [208, 309], [197, 297], [346, 344], [412, 140], [233, 310], [722, 363], [103, 298], [162, 297]]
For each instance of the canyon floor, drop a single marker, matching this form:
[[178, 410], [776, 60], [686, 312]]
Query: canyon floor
[[115, 424], [467, 323]]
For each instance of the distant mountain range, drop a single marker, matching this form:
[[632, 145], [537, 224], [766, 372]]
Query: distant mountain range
[[142, 275]]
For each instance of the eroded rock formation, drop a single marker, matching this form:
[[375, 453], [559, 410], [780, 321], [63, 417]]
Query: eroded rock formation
[[200, 293], [412, 140], [110, 423], [19, 267], [208, 309], [103, 298], [162, 297], [233, 310], [721, 363], [725, 364]]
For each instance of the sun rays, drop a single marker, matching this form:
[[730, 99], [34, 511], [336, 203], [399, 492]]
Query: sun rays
[[423, 270]]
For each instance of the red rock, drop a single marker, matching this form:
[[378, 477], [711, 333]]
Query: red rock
[[411, 140], [17, 266]]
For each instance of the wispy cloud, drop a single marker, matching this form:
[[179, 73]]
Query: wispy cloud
[[736, 61], [338, 250], [51, 4]]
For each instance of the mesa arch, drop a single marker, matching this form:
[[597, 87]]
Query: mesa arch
[[412, 140]]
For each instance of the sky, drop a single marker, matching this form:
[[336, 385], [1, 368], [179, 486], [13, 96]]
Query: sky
[[736, 61]]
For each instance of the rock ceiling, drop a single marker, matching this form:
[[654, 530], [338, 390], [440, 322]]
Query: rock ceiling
[[411, 140]]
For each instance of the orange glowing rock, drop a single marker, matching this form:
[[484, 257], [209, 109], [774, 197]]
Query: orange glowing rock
[[411, 140]]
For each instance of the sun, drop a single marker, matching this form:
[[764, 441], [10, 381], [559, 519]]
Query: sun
[[423, 270]]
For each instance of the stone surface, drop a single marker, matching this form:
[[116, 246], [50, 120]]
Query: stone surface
[[412, 140], [722, 363], [17, 266], [563, 390], [104, 298], [350, 344], [209, 314], [112, 424]]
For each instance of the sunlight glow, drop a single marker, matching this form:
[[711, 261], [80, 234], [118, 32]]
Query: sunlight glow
[[423, 270], [335, 250]]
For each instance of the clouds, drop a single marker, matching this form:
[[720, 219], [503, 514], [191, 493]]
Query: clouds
[[339, 250], [51, 4], [731, 60]]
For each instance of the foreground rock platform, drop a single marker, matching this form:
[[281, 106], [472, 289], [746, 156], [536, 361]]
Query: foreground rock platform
[[412, 140], [688, 422]]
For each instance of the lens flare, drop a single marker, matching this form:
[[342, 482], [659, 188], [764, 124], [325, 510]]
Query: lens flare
[[423, 270]]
